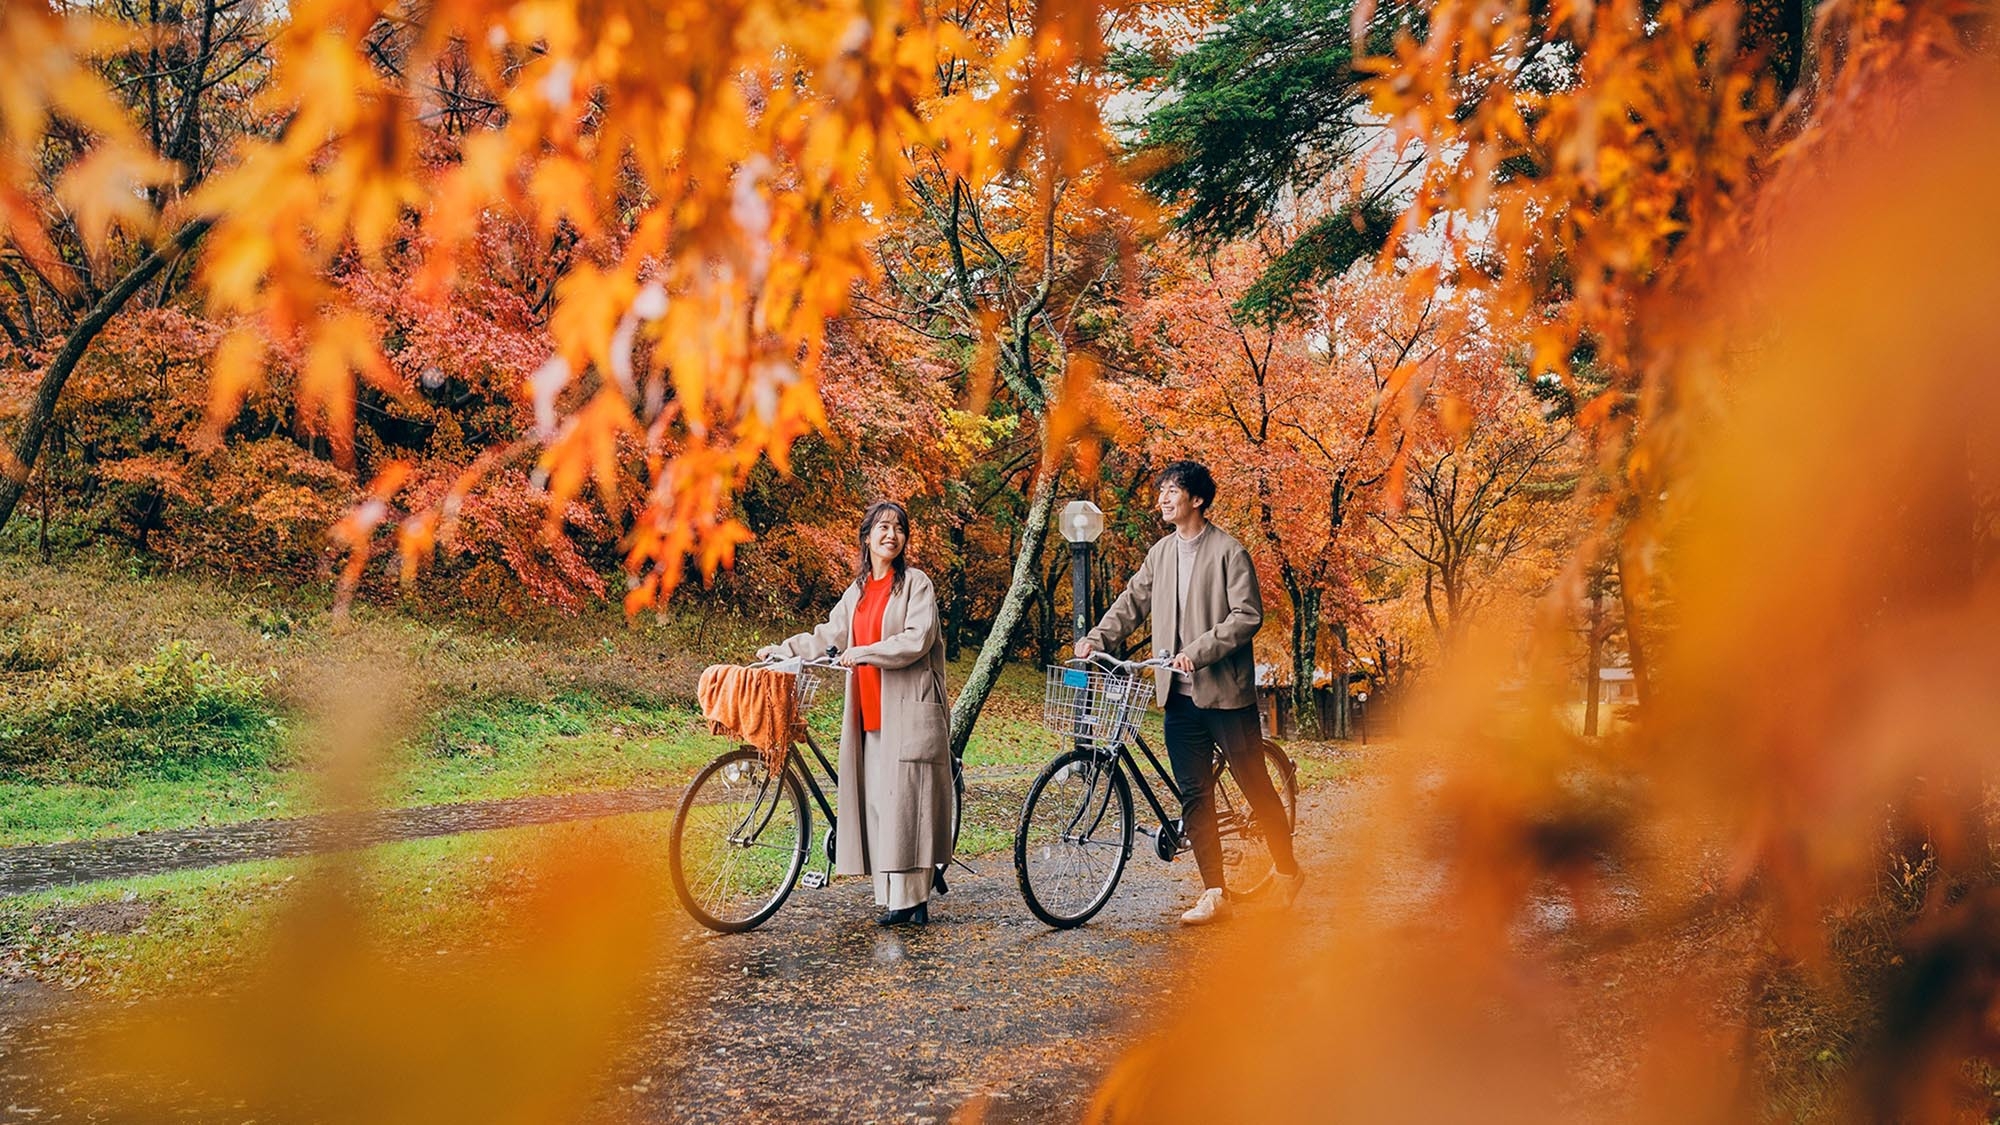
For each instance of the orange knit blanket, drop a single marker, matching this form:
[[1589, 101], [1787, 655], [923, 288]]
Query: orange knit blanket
[[760, 706]]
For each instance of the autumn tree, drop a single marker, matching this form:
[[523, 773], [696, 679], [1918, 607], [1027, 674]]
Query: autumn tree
[[112, 114], [1003, 265], [1485, 489], [712, 183], [1308, 417]]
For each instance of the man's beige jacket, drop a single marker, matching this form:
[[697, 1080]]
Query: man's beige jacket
[[1224, 611]]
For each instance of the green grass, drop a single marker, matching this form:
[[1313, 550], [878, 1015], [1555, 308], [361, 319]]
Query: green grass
[[144, 936], [574, 742], [193, 930], [133, 699], [571, 743], [31, 813]]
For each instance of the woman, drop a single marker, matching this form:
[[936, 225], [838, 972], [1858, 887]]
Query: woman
[[895, 757]]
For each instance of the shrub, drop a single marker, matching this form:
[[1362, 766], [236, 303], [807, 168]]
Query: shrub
[[31, 652], [174, 716]]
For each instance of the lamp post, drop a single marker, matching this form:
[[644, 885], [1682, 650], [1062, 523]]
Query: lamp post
[[1361, 697], [1082, 523]]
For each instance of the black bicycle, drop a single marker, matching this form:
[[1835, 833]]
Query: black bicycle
[[1077, 828], [743, 831]]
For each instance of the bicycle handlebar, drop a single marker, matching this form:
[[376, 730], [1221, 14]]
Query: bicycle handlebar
[[1129, 667], [827, 662]]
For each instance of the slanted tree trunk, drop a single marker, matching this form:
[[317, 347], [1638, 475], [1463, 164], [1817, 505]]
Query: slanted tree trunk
[[1027, 575], [20, 462]]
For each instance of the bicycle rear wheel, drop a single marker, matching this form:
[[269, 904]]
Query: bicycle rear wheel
[[1075, 836], [739, 841], [1246, 856]]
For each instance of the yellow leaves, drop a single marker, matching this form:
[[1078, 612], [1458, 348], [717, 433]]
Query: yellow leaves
[[47, 75], [236, 369], [344, 343], [683, 518], [351, 1018], [561, 189], [1078, 408], [1397, 385], [416, 542], [107, 189], [1597, 411], [1549, 349], [355, 533], [718, 547], [1659, 137], [1456, 417], [587, 449], [589, 303], [967, 436]]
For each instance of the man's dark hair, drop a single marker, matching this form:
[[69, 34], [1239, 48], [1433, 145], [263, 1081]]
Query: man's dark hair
[[1194, 479]]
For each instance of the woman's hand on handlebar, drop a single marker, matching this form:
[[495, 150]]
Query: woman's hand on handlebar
[[1182, 663], [772, 652], [1084, 648]]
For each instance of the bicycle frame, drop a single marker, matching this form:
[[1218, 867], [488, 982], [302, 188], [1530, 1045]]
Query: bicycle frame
[[797, 753], [1123, 754], [1138, 775], [807, 775]]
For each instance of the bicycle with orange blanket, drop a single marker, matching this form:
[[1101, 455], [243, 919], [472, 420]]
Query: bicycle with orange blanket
[[743, 832]]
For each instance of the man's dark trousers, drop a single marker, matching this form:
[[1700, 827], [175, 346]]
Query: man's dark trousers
[[1193, 733]]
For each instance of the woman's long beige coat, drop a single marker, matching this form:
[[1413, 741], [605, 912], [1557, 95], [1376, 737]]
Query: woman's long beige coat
[[905, 795]]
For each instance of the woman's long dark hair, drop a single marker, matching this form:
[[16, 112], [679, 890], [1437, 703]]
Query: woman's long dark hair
[[868, 522]]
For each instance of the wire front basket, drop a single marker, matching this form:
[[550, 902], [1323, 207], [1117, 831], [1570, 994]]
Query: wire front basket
[[1093, 705], [810, 678]]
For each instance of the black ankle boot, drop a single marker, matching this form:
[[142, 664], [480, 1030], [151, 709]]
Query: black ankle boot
[[938, 886], [917, 915]]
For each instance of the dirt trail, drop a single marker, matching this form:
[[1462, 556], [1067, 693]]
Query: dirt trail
[[822, 1015]]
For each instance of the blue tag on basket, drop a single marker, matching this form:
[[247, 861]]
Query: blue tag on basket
[[1075, 677]]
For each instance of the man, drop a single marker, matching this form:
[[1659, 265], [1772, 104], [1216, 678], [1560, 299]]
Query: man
[[1200, 589]]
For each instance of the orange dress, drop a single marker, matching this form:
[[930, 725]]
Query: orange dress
[[866, 630]]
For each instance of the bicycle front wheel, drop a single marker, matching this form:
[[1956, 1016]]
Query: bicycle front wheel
[[1246, 855], [1074, 838], [739, 842]]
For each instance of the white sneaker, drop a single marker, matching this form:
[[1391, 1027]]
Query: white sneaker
[[1208, 908]]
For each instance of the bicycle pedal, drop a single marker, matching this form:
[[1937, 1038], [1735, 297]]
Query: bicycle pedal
[[813, 880]]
